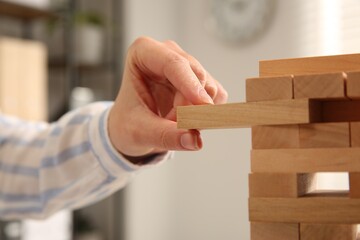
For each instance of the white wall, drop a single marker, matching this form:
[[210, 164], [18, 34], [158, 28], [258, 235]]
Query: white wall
[[204, 195]]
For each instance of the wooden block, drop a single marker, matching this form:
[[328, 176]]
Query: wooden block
[[310, 65], [290, 185], [353, 85], [310, 231], [322, 135], [321, 86], [355, 134], [263, 89], [319, 209], [248, 114], [306, 160], [275, 231], [354, 181], [340, 111], [269, 137]]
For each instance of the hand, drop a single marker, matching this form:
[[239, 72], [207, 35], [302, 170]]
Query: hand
[[157, 78]]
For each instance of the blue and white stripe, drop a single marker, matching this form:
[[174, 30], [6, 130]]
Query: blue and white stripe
[[66, 164]]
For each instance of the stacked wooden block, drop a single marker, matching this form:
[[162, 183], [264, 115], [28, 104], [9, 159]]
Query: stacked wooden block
[[316, 130], [284, 202]]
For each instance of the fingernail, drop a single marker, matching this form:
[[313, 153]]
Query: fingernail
[[205, 96], [188, 141]]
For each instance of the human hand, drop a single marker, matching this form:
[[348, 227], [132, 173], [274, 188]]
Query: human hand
[[159, 76]]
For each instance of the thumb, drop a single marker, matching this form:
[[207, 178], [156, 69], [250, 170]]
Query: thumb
[[163, 135]]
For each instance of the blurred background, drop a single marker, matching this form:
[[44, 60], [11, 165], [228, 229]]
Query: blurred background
[[56, 55]]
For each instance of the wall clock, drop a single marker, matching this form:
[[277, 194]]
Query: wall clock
[[240, 20]]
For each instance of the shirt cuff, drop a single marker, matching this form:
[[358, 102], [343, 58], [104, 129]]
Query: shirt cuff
[[109, 157]]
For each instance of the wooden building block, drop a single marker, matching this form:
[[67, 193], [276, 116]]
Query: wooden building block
[[319, 209], [355, 134], [322, 135], [248, 114], [322, 86], [269, 137], [353, 84], [263, 89], [340, 111], [354, 181], [290, 185], [310, 231], [275, 231], [309, 65], [306, 160]]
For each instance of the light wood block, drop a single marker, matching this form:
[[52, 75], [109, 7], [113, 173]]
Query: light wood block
[[309, 231], [353, 85], [270, 137], [355, 134], [248, 114], [321, 86], [275, 231], [263, 89], [309, 65], [289, 185], [322, 135], [306, 160], [320, 209], [354, 181]]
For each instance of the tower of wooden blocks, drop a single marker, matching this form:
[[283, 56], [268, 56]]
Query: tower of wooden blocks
[[305, 119]]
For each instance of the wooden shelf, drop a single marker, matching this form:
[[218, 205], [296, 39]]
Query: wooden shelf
[[23, 12]]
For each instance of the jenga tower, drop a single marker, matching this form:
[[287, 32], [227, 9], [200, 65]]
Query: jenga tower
[[305, 118]]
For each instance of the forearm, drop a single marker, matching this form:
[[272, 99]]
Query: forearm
[[47, 167]]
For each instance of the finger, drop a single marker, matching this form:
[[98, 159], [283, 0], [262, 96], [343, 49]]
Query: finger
[[196, 66], [163, 135], [153, 57], [222, 95]]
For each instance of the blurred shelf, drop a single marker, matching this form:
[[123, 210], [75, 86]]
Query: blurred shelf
[[60, 64], [24, 12]]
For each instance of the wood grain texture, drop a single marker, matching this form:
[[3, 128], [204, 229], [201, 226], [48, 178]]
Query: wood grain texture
[[309, 65], [353, 85], [306, 160], [322, 135], [263, 89], [321, 86], [248, 114], [311, 231], [290, 185], [355, 134], [270, 137], [354, 181], [275, 231], [320, 209]]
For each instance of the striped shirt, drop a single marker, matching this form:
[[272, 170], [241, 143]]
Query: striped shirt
[[66, 164]]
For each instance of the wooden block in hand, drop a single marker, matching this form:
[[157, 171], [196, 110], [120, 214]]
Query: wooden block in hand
[[353, 85], [268, 137], [311, 231], [232, 115], [322, 135], [354, 181], [319, 209], [309, 65], [263, 89], [355, 134], [287, 185], [322, 86], [275, 231]]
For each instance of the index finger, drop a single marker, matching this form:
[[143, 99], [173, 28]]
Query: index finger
[[154, 58]]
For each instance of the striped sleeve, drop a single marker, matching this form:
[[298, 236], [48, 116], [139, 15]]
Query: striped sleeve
[[67, 164]]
